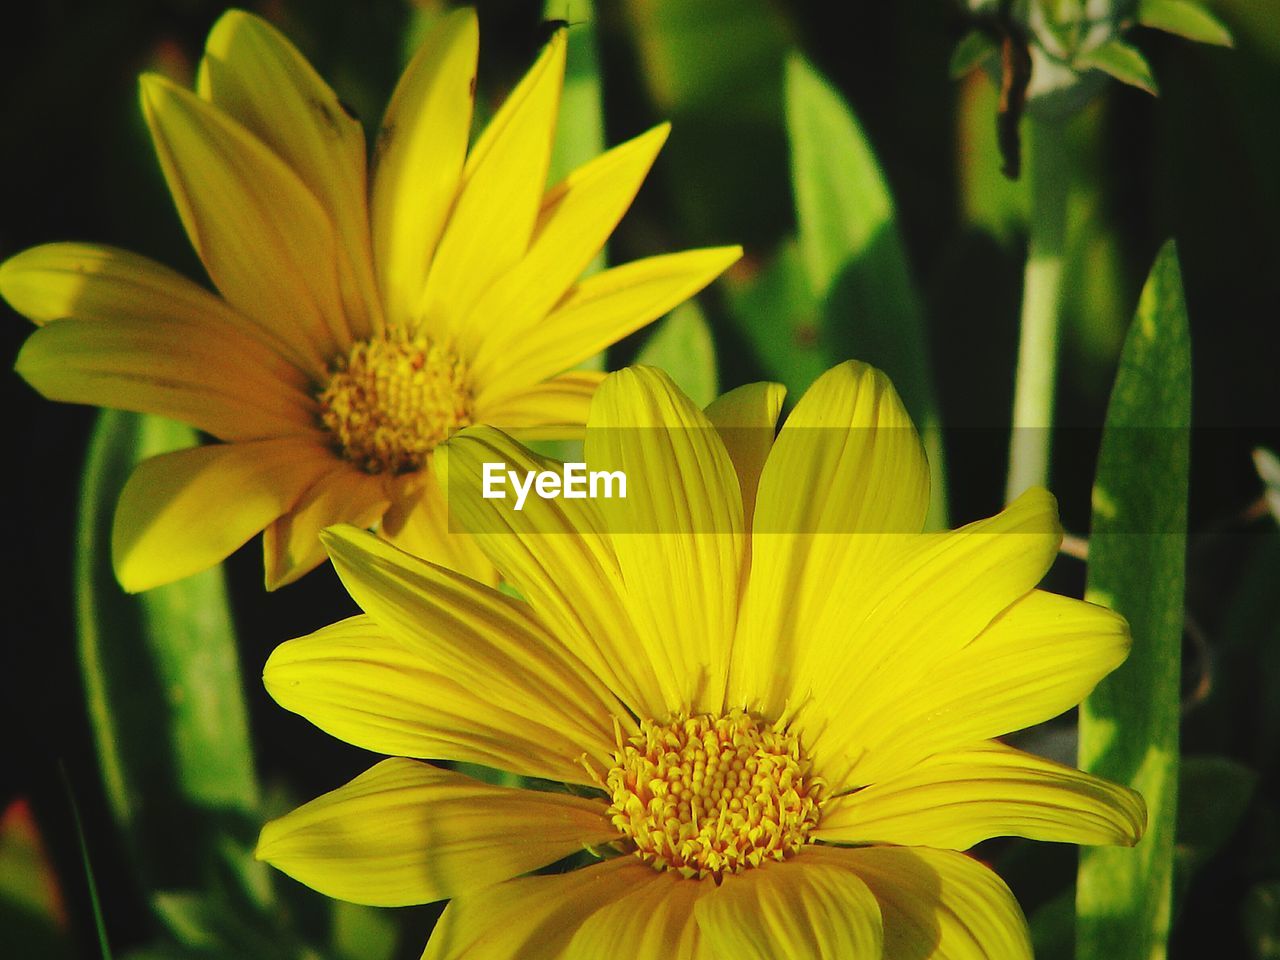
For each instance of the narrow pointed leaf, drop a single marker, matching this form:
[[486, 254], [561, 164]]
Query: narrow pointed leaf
[[682, 346], [162, 681], [1129, 724], [32, 901], [1121, 61], [853, 254], [205, 922], [1185, 19], [95, 903]]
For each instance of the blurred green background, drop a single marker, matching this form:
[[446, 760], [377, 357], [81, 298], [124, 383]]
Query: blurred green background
[[928, 286]]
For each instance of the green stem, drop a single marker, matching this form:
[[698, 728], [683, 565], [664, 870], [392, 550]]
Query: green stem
[[99, 923], [1029, 444]]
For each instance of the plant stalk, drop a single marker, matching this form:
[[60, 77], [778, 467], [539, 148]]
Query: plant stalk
[[1031, 438]]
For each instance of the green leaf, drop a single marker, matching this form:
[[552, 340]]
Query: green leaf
[[91, 883], [973, 50], [853, 254], [1121, 61], [1057, 33], [1052, 927], [703, 51], [187, 919], [580, 127], [580, 123], [207, 923], [487, 774], [1185, 19], [31, 905], [1137, 548], [363, 933], [682, 346], [778, 313], [843, 205], [422, 19], [714, 69], [1213, 794], [162, 682]]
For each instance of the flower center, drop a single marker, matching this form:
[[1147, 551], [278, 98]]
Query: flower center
[[390, 401], [713, 795]]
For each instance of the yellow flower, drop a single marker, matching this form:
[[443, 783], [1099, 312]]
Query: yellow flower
[[362, 319], [778, 733]]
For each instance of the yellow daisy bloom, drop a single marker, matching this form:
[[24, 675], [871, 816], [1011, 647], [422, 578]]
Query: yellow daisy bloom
[[776, 733], [364, 316]]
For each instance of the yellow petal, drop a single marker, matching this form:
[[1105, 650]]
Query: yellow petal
[[419, 523], [883, 635], [845, 478], [802, 909], [502, 185], [291, 545], [937, 903], [405, 832], [678, 535], [848, 460], [418, 160], [1037, 659], [356, 682], [555, 553], [577, 217], [597, 312], [654, 918], [88, 281], [746, 419], [532, 918], [182, 512], [486, 641], [959, 798], [562, 401], [205, 373], [264, 238], [251, 71]]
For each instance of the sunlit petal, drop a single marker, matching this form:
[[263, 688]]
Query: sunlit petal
[[405, 832]]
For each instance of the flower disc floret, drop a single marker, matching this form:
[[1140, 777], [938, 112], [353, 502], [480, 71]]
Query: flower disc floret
[[707, 795], [390, 401]]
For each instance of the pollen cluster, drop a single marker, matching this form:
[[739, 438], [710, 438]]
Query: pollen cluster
[[709, 795], [391, 400]]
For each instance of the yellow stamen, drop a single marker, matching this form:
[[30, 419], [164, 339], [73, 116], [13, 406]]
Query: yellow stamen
[[391, 401], [710, 795]]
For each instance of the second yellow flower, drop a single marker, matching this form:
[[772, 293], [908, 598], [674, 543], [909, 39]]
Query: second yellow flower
[[364, 315]]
